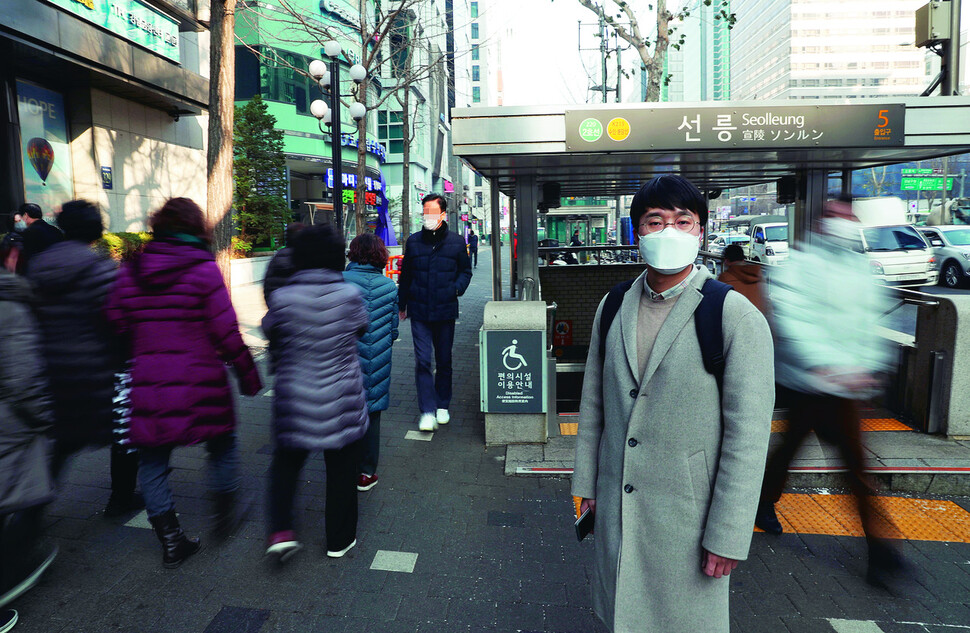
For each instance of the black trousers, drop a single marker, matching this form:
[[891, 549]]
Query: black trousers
[[835, 421], [372, 445], [340, 515]]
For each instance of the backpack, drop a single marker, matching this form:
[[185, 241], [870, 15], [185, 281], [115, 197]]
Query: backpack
[[707, 319]]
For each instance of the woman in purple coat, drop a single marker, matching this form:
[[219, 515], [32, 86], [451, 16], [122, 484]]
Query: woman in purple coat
[[171, 305]]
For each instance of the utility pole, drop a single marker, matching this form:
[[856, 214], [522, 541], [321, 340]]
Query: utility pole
[[603, 55], [951, 54]]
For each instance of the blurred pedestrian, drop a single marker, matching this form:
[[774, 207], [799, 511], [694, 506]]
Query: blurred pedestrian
[[473, 248], [72, 283], [670, 453], [172, 307], [281, 267], [319, 403], [12, 245], [743, 277], [435, 271], [828, 357], [38, 234], [26, 416], [368, 257]]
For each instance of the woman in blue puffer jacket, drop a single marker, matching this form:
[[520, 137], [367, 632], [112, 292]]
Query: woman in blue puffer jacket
[[368, 256]]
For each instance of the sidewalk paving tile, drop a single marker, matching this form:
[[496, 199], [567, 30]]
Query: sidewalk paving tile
[[394, 561]]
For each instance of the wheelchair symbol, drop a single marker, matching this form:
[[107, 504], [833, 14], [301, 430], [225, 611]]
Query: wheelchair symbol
[[510, 353]]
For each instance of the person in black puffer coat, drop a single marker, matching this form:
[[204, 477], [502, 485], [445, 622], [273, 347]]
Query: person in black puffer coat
[[25, 419], [281, 267], [319, 404], [72, 282], [435, 271]]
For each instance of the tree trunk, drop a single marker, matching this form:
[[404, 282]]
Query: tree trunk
[[655, 63], [406, 172], [222, 60]]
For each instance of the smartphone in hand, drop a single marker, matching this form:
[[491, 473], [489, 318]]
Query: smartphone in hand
[[584, 524]]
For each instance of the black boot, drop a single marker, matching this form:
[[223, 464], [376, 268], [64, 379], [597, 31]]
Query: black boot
[[124, 472], [767, 520], [176, 547], [230, 510]]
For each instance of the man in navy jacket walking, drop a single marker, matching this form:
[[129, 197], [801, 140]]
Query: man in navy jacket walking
[[435, 271]]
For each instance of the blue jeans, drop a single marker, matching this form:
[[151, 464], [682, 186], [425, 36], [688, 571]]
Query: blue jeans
[[434, 388], [153, 473]]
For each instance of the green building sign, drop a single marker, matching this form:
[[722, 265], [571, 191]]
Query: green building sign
[[132, 20]]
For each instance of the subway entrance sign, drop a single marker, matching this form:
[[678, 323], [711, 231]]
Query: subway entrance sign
[[513, 375], [924, 183], [736, 127]]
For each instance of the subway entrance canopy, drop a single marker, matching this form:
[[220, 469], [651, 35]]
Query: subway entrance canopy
[[611, 150]]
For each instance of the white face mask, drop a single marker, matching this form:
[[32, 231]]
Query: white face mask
[[669, 251], [431, 221], [20, 225]]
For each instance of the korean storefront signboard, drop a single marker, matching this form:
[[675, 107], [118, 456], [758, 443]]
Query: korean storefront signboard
[[132, 20], [756, 127], [512, 381], [44, 146]]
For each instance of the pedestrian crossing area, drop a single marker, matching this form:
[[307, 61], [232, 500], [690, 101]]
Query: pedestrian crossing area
[[871, 626]]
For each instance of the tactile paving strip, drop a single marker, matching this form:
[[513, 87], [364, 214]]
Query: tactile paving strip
[[780, 426], [568, 428], [868, 424], [897, 517]]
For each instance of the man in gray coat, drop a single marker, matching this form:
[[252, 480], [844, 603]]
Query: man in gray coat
[[669, 464]]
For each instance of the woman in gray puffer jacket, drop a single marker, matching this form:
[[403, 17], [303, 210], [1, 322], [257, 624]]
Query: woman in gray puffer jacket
[[313, 325]]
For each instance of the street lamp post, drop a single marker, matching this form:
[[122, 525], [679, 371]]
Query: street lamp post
[[329, 114]]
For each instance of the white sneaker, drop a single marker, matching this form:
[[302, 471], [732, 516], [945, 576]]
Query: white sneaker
[[343, 551], [442, 416], [427, 422]]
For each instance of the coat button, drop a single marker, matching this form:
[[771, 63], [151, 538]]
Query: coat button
[[628, 488], [633, 442], [633, 393]]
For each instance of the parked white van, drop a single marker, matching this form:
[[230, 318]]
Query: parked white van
[[898, 254]]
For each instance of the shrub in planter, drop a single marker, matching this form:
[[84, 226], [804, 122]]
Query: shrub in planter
[[122, 246]]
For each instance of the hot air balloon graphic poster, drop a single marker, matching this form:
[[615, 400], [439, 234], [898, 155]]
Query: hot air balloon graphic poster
[[45, 147]]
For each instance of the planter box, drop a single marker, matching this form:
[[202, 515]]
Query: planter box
[[250, 270]]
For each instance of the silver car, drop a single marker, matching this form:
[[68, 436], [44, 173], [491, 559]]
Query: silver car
[[951, 245]]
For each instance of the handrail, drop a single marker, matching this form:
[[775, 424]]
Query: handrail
[[533, 294]]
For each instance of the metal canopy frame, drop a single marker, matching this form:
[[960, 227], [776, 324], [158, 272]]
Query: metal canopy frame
[[520, 148], [510, 143]]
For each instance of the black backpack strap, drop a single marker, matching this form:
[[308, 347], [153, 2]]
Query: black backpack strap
[[613, 302], [710, 333]]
